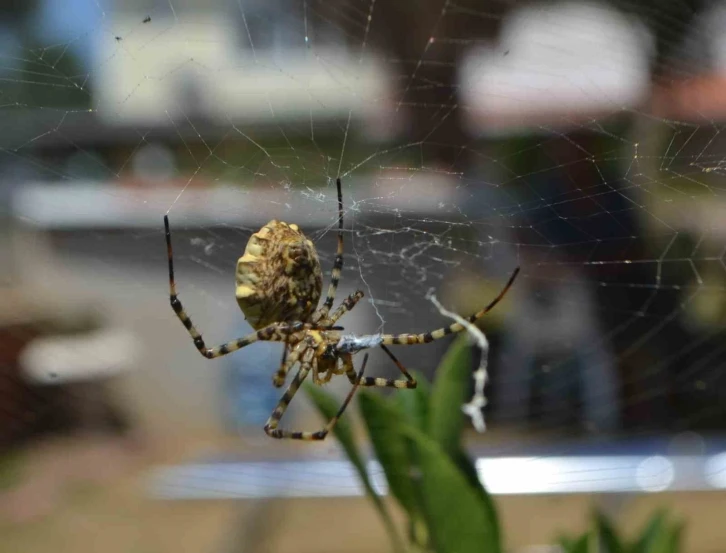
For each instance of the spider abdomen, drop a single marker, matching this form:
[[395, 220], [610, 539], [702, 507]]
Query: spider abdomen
[[279, 278]]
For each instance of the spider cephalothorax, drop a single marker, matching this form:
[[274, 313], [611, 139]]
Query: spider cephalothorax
[[279, 283], [321, 347]]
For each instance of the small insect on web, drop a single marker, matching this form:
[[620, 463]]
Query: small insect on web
[[279, 283]]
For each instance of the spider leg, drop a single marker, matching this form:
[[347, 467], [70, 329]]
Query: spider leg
[[322, 313], [273, 332], [324, 380], [346, 306], [271, 427], [285, 364], [316, 374], [370, 381], [425, 338]]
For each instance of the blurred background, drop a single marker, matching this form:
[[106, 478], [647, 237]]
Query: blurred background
[[579, 140]]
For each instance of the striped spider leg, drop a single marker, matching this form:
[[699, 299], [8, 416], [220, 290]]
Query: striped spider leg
[[278, 288], [352, 344], [323, 311], [271, 427], [279, 283], [330, 353], [276, 332]]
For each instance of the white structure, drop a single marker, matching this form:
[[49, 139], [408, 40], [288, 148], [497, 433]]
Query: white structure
[[567, 62], [193, 66]]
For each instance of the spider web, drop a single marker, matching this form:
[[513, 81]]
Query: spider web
[[580, 141]]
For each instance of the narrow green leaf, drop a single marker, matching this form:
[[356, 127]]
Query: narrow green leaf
[[450, 390], [652, 535], [328, 406], [414, 404], [458, 517], [657, 536], [566, 543], [676, 538], [383, 421], [660, 536], [581, 545], [607, 536], [418, 533], [468, 469]]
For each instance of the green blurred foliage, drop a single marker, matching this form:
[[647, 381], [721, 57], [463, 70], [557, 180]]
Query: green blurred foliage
[[416, 436], [659, 535]]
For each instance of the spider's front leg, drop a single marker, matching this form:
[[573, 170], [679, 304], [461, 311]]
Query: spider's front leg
[[285, 365], [274, 332], [347, 305], [322, 313]]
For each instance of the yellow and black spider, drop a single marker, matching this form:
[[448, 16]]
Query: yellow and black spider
[[279, 283]]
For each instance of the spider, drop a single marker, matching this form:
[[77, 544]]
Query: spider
[[278, 287]]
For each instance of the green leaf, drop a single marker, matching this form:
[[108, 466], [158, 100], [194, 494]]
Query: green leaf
[[659, 536], [414, 403], [328, 406], [676, 538], [468, 469], [418, 533], [459, 521], [652, 536], [566, 543], [413, 407], [446, 419], [383, 421], [607, 536], [580, 545], [450, 390]]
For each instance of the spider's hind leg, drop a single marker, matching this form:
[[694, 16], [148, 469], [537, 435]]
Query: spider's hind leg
[[370, 381], [278, 380], [271, 427]]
